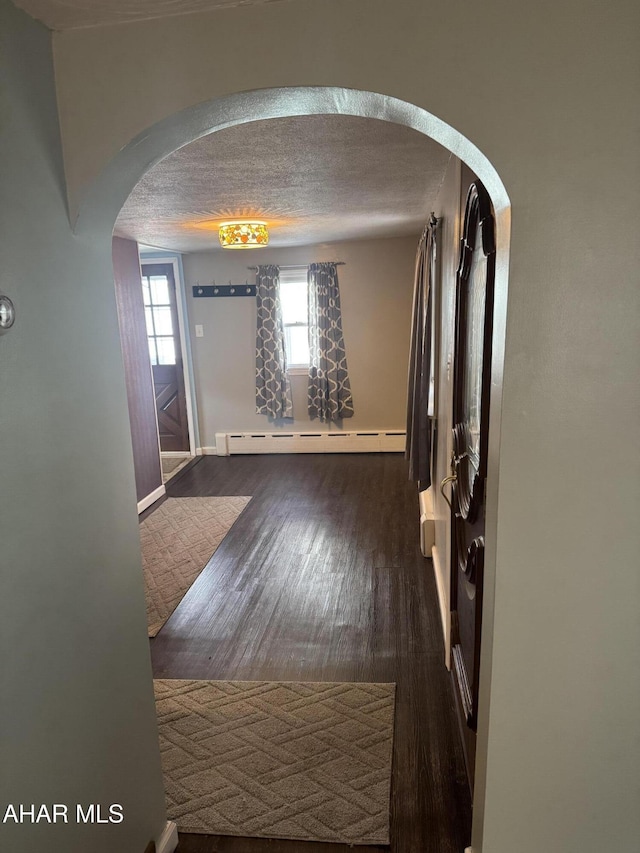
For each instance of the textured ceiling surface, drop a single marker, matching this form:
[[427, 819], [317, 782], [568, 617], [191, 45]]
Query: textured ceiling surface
[[313, 179], [74, 14]]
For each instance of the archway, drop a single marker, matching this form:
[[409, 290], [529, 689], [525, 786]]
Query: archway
[[108, 193]]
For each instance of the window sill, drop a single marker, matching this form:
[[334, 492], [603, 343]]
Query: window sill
[[298, 370]]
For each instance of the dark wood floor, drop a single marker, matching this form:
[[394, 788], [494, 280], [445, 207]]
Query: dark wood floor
[[322, 579]]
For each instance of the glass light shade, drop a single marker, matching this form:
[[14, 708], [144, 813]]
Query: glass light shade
[[243, 234]]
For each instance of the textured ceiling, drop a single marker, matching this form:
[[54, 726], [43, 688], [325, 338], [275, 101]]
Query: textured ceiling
[[314, 179], [74, 14]]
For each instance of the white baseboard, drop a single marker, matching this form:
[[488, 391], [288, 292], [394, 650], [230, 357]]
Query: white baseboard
[[443, 601], [168, 841], [145, 503], [208, 451], [175, 454]]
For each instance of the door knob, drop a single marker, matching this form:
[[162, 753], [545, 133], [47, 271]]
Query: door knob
[[450, 479]]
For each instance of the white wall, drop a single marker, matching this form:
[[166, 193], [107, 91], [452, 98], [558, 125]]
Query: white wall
[[376, 287], [77, 716], [548, 92]]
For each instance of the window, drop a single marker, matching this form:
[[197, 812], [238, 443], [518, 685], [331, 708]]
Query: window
[[158, 313], [295, 318]]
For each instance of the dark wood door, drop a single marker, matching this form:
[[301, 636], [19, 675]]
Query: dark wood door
[[163, 336], [472, 374]]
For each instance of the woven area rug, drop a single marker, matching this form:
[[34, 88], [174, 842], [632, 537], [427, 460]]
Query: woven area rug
[[294, 760], [177, 542]]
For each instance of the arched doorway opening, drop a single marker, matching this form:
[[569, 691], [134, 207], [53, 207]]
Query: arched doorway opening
[[106, 196]]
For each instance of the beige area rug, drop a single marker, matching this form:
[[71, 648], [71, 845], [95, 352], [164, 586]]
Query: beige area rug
[[177, 542], [294, 760]]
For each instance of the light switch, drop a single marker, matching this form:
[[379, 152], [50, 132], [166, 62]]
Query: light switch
[[199, 331]]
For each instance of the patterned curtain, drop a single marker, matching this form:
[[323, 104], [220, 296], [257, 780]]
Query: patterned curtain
[[329, 390], [420, 404], [273, 389]]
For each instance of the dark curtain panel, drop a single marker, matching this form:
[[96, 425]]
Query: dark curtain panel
[[419, 406], [329, 390], [273, 389]]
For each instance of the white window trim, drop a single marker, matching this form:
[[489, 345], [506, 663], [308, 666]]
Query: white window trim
[[298, 369]]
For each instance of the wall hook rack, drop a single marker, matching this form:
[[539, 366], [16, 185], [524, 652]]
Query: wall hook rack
[[208, 290]]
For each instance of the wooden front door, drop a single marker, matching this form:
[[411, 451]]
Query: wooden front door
[[163, 336], [472, 373]]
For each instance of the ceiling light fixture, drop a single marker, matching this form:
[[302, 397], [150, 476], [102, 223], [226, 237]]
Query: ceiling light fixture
[[243, 234]]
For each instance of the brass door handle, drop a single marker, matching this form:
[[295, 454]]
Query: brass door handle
[[451, 479]]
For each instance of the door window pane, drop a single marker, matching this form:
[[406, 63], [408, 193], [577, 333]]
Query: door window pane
[[166, 351], [162, 321], [159, 289], [149, 320], [159, 319]]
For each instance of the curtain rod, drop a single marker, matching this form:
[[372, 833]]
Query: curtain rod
[[302, 266]]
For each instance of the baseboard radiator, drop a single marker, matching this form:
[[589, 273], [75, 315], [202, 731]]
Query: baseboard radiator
[[369, 441]]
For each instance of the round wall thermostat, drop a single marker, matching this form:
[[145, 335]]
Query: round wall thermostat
[[7, 313]]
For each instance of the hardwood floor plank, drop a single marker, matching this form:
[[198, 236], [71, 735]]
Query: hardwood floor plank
[[322, 579]]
